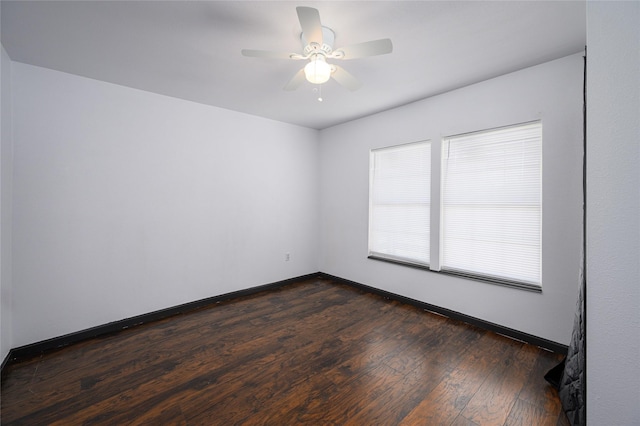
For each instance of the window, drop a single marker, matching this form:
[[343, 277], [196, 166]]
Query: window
[[399, 203], [491, 203]]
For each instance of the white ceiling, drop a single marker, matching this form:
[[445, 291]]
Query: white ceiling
[[191, 50]]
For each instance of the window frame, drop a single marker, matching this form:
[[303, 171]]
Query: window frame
[[378, 255], [437, 219]]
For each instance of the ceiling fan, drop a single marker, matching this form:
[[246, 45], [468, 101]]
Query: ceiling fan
[[317, 44]]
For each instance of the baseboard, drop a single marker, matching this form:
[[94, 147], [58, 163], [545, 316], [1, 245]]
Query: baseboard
[[5, 361], [485, 325], [32, 349], [26, 351]]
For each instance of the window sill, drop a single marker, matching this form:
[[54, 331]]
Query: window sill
[[489, 280]]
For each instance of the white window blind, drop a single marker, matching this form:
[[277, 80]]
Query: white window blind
[[399, 203], [491, 204]]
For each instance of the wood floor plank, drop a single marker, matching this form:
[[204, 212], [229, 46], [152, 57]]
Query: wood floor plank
[[117, 377], [313, 352], [525, 414], [537, 391], [260, 352], [445, 402], [56, 376], [422, 369], [462, 421], [330, 359], [492, 403], [238, 363]]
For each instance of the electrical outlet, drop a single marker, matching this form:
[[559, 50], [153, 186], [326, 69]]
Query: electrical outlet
[[287, 257]]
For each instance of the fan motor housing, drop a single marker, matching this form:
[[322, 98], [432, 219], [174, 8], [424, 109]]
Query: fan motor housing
[[328, 37]]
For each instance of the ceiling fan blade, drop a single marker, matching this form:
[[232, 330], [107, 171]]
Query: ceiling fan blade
[[268, 54], [296, 81], [368, 48], [345, 79], [310, 23]]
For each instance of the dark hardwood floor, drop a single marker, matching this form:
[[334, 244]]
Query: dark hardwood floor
[[314, 352]]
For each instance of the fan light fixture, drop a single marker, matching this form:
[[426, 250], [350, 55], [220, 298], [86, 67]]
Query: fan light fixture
[[317, 46], [317, 71]]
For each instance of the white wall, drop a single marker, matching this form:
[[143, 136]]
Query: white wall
[[126, 202], [6, 167], [613, 213], [551, 92]]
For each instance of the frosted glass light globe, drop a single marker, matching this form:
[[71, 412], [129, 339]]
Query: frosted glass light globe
[[317, 71]]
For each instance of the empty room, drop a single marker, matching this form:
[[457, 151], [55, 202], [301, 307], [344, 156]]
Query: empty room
[[322, 213]]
